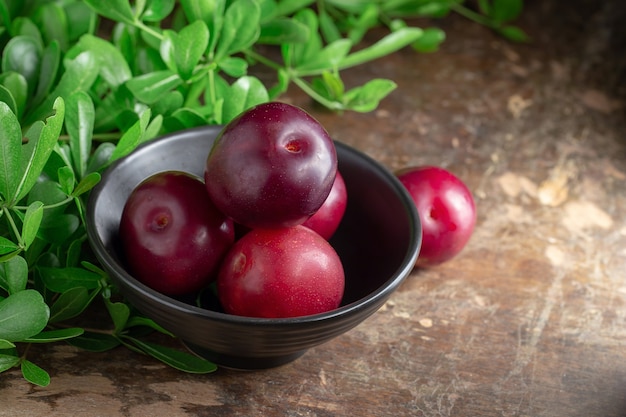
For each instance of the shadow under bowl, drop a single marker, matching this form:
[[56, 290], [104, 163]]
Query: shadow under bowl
[[378, 242]]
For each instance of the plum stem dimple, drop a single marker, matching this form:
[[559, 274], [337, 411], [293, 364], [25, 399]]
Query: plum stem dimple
[[160, 222], [293, 146], [433, 214]]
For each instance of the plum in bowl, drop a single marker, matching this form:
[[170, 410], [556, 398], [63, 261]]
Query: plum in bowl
[[378, 242]]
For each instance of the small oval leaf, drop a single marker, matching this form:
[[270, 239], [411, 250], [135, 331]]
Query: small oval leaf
[[22, 315], [34, 374]]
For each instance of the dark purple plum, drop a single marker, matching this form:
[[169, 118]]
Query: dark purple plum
[[272, 166], [172, 235]]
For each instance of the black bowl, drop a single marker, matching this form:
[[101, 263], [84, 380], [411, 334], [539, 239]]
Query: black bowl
[[378, 242]]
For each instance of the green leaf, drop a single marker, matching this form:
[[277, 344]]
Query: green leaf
[[484, 6], [268, 9], [74, 251], [153, 129], [152, 38], [37, 151], [157, 10], [5, 344], [168, 103], [203, 10], [118, 10], [430, 40], [55, 335], [505, 10], [10, 152], [328, 27], [48, 192], [513, 33], [22, 54], [241, 28], [151, 87], [50, 62], [8, 361], [34, 374], [366, 98], [81, 20], [136, 321], [101, 157], [5, 14], [95, 269], [112, 65], [66, 179], [333, 86], [189, 46], [86, 184], [71, 303], [7, 246], [126, 119], [434, 9], [387, 45], [80, 74], [52, 21], [119, 313], [22, 315], [303, 52], [368, 18], [64, 279], [59, 229], [133, 137], [95, 342], [110, 107], [139, 7], [175, 358], [79, 122], [166, 49], [189, 118], [283, 30], [327, 59], [234, 66], [245, 93], [18, 86], [24, 26], [32, 221], [288, 7], [7, 97], [14, 274]]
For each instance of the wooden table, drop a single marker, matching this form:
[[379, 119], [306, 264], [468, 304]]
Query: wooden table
[[530, 320]]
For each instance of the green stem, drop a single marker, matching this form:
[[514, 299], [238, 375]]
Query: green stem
[[49, 206], [332, 105], [17, 233], [25, 353], [97, 137], [87, 329], [139, 24], [262, 59], [472, 15], [212, 96]]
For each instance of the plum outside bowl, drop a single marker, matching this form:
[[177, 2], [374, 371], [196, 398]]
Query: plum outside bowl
[[378, 242]]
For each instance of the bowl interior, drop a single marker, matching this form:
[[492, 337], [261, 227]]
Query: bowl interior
[[378, 241]]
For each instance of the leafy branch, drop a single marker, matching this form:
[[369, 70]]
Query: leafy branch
[[83, 83]]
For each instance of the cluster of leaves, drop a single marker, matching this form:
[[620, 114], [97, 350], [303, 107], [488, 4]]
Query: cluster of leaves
[[82, 83]]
